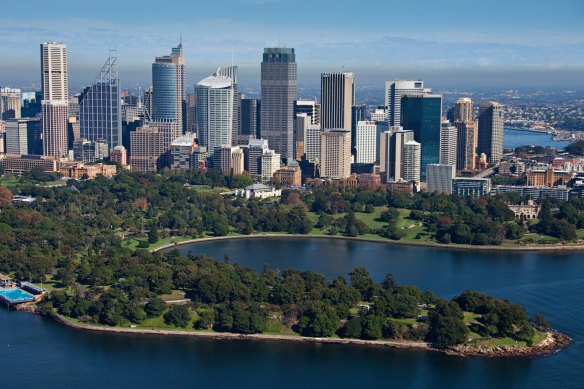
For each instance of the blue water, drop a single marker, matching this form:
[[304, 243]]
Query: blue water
[[15, 295], [514, 138], [548, 283]]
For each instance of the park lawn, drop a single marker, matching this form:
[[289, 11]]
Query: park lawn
[[580, 233], [159, 324], [494, 342], [9, 182], [174, 295], [470, 318], [407, 321]]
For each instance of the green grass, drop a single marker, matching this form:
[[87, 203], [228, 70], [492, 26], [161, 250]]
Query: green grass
[[470, 318], [9, 182]]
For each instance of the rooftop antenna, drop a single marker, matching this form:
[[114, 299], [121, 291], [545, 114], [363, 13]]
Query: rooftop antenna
[[180, 40]]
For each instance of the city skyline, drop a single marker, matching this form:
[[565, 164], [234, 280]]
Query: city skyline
[[459, 45]]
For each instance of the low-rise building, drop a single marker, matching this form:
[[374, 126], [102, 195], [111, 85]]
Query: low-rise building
[[471, 186], [89, 171], [289, 175], [17, 164], [548, 178], [258, 191], [560, 193], [527, 211]]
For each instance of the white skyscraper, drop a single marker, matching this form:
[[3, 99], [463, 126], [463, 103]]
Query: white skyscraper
[[448, 143], [391, 152], [366, 142], [270, 164], [411, 161], [394, 90], [312, 145], [55, 112], [214, 111]]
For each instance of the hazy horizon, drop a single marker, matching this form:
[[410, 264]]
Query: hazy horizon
[[451, 43]]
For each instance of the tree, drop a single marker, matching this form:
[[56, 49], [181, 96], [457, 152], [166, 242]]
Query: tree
[[153, 234], [361, 280], [320, 321], [205, 319], [155, 307], [178, 315], [372, 327], [5, 197], [447, 327], [352, 328]]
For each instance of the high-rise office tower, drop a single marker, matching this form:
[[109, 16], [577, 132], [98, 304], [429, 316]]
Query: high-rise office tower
[[337, 91], [391, 146], [250, 119], [394, 90], [379, 114], [10, 103], [232, 73], [191, 105], [253, 156], [278, 84], [366, 142], [358, 113], [303, 120], [422, 113], [335, 153], [312, 143], [310, 108], [411, 161], [466, 144], [463, 110], [490, 134], [228, 159], [270, 164], [100, 106], [55, 111], [23, 136], [448, 143], [147, 149], [148, 108], [214, 112], [169, 88]]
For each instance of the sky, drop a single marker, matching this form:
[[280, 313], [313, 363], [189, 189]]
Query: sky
[[447, 43]]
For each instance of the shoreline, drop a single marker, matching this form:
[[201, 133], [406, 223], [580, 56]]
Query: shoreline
[[548, 248], [554, 342]]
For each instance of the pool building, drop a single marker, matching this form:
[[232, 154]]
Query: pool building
[[11, 295]]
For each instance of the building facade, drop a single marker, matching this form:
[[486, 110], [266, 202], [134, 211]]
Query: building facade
[[448, 143], [439, 178], [100, 106], [411, 161], [422, 114], [394, 90], [337, 99], [278, 93], [214, 112], [54, 106], [335, 149], [10, 103], [366, 142], [23, 136], [466, 144], [490, 134]]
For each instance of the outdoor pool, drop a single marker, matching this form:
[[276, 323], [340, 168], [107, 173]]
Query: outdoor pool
[[15, 295]]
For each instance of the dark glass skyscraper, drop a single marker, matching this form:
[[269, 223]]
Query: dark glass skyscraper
[[422, 114], [278, 77], [250, 118], [100, 106], [164, 92]]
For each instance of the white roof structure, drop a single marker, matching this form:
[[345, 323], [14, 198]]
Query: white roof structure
[[215, 82]]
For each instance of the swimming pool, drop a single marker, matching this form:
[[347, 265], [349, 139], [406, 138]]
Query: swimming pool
[[15, 295]]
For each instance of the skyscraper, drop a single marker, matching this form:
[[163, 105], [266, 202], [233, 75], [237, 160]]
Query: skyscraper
[[394, 90], [55, 98], [10, 103], [411, 161], [439, 178], [422, 113], [366, 142], [335, 153], [278, 93], [466, 144], [310, 108], [250, 119], [490, 138], [312, 143], [337, 91], [391, 147], [448, 143], [214, 111], [463, 110], [23, 136], [169, 87], [100, 106], [232, 73]]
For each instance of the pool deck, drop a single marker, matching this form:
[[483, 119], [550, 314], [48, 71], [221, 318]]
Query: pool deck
[[13, 296]]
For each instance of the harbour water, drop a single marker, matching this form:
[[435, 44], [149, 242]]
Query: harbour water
[[515, 138], [35, 351]]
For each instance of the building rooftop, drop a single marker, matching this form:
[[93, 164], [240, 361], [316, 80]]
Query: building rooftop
[[257, 187], [215, 82]]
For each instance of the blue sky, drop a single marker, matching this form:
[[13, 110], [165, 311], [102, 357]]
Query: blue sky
[[448, 42]]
